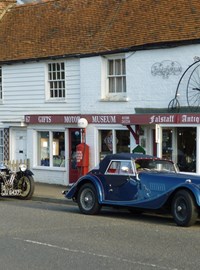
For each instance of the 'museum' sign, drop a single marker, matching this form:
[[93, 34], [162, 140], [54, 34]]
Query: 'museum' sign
[[128, 119]]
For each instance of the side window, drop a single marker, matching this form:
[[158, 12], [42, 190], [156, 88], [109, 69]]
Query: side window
[[56, 81], [0, 83], [1, 145], [126, 167], [114, 167], [120, 167]]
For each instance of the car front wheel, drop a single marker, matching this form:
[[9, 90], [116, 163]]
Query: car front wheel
[[184, 210], [87, 200]]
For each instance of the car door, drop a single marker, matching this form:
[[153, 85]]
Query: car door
[[121, 182]]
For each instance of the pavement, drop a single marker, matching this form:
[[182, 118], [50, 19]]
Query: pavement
[[50, 193]]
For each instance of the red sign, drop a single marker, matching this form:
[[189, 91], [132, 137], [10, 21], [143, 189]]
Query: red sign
[[128, 119]]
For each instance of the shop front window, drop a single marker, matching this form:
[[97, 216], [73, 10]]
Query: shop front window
[[186, 142], [114, 141], [122, 141], [43, 138], [1, 145], [167, 143], [58, 149], [51, 149]]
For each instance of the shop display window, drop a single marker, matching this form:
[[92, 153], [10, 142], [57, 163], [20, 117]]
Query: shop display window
[[58, 149], [43, 138], [114, 141], [0, 83], [1, 145], [51, 150], [122, 141], [181, 148], [167, 143], [186, 142]]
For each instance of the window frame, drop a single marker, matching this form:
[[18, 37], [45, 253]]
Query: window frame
[[1, 83], [101, 154], [51, 150], [56, 77], [106, 95], [118, 170], [117, 73], [2, 145]]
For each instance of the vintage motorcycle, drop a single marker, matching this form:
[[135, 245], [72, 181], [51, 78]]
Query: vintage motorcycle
[[16, 184]]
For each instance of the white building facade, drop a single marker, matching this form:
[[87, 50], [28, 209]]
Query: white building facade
[[129, 99]]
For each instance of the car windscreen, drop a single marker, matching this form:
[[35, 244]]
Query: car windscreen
[[155, 165]]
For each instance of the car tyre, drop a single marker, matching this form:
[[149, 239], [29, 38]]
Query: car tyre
[[184, 209], [87, 200]]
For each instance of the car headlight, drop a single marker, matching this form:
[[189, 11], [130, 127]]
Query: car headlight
[[22, 167]]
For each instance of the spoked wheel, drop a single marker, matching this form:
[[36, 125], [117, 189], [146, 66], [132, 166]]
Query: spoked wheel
[[193, 89], [87, 200], [184, 210], [174, 106], [26, 184]]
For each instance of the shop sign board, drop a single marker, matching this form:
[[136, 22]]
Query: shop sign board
[[128, 119]]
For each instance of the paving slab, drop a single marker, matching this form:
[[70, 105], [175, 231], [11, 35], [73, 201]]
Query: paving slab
[[50, 193]]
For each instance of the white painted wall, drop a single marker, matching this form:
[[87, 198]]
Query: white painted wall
[[143, 89], [24, 85], [24, 88], [24, 93]]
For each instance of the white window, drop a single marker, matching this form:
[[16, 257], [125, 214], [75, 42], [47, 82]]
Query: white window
[[113, 141], [116, 76], [51, 149], [0, 83], [56, 80], [1, 145]]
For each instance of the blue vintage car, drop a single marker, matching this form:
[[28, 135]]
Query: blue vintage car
[[139, 183]]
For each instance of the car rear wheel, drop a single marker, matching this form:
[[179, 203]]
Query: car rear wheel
[[87, 200], [184, 209]]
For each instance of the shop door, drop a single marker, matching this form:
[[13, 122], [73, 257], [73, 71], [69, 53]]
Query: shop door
[[154, 143], [74, 140], [167, 149], [19, 144]]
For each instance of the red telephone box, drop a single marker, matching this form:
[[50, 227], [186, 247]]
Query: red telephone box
[[82, 158]]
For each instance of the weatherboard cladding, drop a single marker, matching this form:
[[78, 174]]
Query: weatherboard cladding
[[86, 27]]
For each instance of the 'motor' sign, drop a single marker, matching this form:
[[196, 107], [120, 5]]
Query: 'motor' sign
[[123, 119]]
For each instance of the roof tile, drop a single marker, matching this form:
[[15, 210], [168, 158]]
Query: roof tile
[[80, 27]]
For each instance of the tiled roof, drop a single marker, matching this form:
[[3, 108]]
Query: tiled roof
[[81, 27], [5, 5]]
